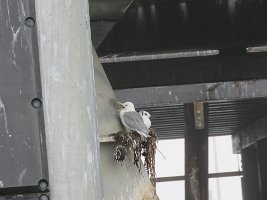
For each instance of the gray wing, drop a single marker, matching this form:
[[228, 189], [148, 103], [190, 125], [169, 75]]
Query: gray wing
[[135, 121]]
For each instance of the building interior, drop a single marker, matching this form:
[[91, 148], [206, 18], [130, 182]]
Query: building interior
[[197, 66], [166, 55]]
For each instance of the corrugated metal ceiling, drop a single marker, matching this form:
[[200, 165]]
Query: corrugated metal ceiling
[[225, 117]]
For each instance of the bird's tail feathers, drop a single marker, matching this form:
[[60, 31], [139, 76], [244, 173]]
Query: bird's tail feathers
[[143, 134]]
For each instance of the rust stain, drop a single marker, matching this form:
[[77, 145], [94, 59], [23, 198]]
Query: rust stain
[[193, 178], [147, 192]]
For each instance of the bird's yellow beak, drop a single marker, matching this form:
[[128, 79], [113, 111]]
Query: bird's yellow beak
[[118, 105]]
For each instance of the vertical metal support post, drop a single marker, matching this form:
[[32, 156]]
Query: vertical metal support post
[[255, 171], [262, 148], [251, 177], [196, 151], [69, 99]]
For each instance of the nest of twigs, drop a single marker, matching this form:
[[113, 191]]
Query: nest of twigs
[[142, 148]]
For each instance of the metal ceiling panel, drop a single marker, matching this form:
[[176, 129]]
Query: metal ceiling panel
[[178, 71], [103, 16], [99, 31], [108, 10], [168, 120], [160, 26], [225, 117]]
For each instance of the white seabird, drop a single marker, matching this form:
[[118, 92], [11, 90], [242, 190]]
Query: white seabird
[[146, 117], [132, 120]]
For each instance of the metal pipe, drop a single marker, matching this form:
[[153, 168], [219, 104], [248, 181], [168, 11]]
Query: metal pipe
[[68, 86]]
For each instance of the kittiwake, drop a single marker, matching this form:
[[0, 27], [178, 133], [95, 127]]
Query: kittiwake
[[132, 120], [146, 117]]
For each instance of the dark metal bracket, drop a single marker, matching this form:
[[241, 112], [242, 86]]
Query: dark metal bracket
[[23, 157], [199, 115]]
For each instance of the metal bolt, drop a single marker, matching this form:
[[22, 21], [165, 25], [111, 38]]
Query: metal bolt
[[43, 185], [29, 22], [43, 197], [36, 103]]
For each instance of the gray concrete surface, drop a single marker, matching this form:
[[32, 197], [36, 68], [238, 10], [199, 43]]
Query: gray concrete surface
[[121, 180], [69, 99]]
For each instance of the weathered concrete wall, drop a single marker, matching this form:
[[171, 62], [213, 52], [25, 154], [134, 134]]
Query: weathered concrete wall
[[69, 99], [106, 112], [122, 181]]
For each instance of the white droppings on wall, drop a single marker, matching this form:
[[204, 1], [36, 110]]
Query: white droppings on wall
[[1, 184], [26, 144], [15, 38], [3, 110], [89, 155], [21, 10], [89, 113], [55, 48], [85, 176], [21, 176]]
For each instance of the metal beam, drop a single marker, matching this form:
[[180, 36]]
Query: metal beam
[[251, 134], [178, 94], [169, 55], [196, 154], [255, 174], [211, 175], [178, 71], [262, 162], [250, 181]]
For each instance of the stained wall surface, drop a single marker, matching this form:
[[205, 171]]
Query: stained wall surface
[[121, 180]]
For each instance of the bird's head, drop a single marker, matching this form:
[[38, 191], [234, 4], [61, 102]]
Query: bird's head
[[144, 114], [128, 106]]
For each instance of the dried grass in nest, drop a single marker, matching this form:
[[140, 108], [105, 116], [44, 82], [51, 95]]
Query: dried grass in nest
[[145, 148]]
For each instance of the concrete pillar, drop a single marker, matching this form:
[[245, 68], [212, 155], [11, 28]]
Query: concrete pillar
[[68, 88]]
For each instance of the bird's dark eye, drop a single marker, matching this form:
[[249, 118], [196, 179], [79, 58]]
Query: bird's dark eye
[[145, 114]]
